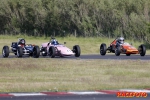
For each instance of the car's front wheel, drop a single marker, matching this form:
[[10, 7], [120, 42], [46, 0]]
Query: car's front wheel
[[142, 50], [103, 49], [52, 52], [5, 51], [77, 50], [118, 51], [19, 52]]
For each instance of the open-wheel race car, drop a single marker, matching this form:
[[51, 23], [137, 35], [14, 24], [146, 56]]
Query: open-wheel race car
[[118, 46], [53, 48], [20, 48]]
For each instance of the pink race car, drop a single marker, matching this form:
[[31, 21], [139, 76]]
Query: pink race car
[[53, 48]]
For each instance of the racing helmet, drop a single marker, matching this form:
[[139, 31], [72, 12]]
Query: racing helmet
[[54, 42], [22, 41], [121, 40]]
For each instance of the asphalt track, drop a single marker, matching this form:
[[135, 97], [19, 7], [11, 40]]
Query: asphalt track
[[76, 97], [97, 56]]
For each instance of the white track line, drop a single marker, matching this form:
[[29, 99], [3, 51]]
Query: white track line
[[84, 93], [27, 94]]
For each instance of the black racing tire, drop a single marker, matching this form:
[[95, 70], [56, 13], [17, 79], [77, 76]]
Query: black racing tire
[[128, 54], [103, 49], [52, 52], [118, 51], [142, 50], [36, 52], [19, 52], [77, 50], [45, 50], [5, 51]]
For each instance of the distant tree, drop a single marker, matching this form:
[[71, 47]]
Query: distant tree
[[109, 18]]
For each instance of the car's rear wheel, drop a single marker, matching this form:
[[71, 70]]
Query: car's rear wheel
[[19, 52], [118, 51], [77, 50], [5, 51], [103, 49], [36, 52], [142, 50], [52, 52]]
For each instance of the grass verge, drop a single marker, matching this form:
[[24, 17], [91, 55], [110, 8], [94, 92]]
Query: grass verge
[[46, 74]]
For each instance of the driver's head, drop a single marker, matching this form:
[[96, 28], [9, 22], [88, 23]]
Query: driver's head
[[54, 42], [22, 41], [121, 40]]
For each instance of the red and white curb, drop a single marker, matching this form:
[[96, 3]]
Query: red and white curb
[[74, 92]]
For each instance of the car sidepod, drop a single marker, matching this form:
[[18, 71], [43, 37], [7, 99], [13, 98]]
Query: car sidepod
[[62, 50], [129, 49]]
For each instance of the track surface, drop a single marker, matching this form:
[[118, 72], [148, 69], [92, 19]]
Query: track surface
[[121, 94], [97, 56], [81, 97]]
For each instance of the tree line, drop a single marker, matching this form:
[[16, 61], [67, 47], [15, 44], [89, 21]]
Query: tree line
[[105, 18]]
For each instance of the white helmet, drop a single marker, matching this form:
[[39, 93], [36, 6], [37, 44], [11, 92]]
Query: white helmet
[[121, 40]]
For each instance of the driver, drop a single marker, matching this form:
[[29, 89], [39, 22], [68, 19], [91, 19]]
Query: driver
[[54, 42], [120, 41], [21, 42]]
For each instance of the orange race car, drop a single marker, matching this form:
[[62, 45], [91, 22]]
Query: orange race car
[[118, 46]]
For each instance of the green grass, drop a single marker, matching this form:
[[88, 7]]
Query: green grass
[[47, 74]]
